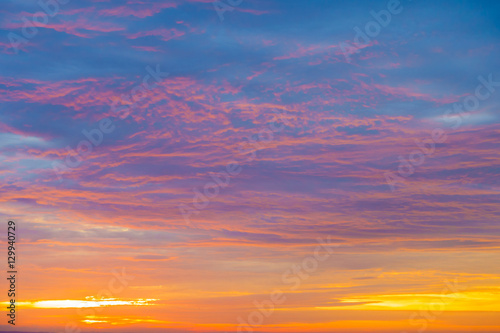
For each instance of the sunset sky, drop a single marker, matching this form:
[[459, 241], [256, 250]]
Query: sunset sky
[[252, 166]]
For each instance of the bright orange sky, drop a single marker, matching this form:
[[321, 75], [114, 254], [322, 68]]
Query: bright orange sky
[[252, 166]]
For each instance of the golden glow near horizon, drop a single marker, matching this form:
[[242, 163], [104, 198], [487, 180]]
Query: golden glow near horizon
[[89, 302], [98, 320], [461, 301]]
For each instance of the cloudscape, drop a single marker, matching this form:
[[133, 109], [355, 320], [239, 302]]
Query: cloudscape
[[250, 166]]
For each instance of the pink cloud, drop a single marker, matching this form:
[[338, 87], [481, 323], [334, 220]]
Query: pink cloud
[[147, 48], [141, 12], [75, 27], [164, 34]]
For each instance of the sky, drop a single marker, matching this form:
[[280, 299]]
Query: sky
[[251, 166]]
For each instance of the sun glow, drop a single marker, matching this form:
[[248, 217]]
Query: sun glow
[[461, 301], [89, 302]]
